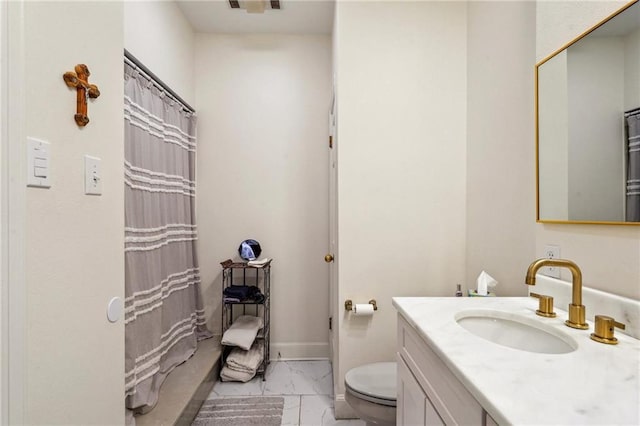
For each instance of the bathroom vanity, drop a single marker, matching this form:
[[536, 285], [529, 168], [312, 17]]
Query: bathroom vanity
[[450, 375], [428, 392]]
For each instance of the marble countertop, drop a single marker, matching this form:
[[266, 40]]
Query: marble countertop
[[595, 384]]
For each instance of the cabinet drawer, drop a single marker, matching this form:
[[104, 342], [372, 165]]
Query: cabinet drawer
[[453, 402]]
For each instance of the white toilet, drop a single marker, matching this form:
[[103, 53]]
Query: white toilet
[[371, 392]]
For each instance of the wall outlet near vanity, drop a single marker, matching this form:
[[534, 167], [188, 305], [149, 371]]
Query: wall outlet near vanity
[[551, 252]]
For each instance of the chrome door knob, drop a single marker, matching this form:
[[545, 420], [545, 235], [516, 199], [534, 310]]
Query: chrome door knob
[[328, 258]]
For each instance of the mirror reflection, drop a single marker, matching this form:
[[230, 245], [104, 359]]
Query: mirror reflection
[[588, 104]]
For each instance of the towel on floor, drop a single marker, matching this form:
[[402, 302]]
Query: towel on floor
[[242, 332], [248, 361]]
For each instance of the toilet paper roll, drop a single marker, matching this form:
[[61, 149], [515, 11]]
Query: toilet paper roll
[[363, 309]]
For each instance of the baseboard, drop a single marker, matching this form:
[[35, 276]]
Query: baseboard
[[299, 351], [342, 409]]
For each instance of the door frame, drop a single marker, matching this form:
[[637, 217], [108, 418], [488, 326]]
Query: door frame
[[334, 311], [12, 214]]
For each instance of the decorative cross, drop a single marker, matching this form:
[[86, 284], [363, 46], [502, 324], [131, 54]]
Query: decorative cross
[[80, 80]]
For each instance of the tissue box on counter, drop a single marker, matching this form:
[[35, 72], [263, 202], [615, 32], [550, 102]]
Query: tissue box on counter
[[484, 284], [473, 293]]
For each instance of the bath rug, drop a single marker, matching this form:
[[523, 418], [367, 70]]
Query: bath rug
[[241, 411]]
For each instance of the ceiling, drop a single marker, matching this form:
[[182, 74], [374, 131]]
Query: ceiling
[[294, 17]]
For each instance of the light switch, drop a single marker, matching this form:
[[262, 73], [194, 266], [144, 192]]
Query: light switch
[[40, 172], [92, 176], [38, 163]]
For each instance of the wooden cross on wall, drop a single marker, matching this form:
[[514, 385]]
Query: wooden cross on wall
[[80, 80]]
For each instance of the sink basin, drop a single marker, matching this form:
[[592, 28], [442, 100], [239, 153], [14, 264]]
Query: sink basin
[[516, 331]]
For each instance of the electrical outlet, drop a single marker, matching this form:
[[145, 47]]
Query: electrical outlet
[[551, 252]]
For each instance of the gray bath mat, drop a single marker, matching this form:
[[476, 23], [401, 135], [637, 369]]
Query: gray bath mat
[[241, 411]]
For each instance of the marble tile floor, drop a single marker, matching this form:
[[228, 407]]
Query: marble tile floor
[[307, 388]]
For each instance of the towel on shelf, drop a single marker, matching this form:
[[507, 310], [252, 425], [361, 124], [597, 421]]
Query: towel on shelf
[[259, 263], [257, 298], [229, 375], [242, 332], [241, 291], [248, 361], [241, 365]]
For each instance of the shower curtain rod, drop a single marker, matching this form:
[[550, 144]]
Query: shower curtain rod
[[134, 62]]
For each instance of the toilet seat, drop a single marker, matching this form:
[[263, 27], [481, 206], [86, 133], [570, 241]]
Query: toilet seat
[[375, 382]]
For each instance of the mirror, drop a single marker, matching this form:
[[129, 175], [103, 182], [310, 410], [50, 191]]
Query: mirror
[[588, 126]]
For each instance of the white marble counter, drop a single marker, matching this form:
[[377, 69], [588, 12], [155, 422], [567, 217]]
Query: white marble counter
[[596, 384]]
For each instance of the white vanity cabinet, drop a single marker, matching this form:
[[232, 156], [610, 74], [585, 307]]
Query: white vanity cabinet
[[428, 392], [444, 369], [413, 405]]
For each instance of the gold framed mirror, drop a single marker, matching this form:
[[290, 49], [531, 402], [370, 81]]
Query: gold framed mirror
[[588, 126]]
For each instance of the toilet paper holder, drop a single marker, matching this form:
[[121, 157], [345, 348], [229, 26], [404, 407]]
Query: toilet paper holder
[[348, 304]]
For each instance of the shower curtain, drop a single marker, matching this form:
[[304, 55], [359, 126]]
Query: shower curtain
[[164, 318], [633, 168]]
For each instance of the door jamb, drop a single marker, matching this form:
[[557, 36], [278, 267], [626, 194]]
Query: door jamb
[[12, 214]]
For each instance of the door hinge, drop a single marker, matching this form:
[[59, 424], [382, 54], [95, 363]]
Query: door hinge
[[330, 321]]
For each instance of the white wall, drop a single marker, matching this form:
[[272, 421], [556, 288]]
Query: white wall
[[74, 256], [401, 75], [158, 34], [609, 256], [500, 143], [263, 105]]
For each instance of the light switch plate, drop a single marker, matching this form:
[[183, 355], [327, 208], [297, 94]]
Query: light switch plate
[[38, 163], [92, 175]]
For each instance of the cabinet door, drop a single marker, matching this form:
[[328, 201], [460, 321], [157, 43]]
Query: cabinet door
[[413, 406], [452, 401]]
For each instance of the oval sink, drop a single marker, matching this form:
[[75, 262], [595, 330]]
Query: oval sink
[[516, 331]]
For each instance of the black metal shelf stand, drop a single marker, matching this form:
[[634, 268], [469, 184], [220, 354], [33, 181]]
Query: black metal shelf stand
[[247, 275]]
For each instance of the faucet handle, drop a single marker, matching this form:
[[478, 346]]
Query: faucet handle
[[545, 307], [604, 330]]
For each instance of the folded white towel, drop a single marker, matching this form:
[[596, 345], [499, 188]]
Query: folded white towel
[[248, 361], [230, 375], [259, 263], [242, 332]]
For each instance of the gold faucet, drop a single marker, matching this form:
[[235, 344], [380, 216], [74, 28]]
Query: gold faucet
[[576, 308]]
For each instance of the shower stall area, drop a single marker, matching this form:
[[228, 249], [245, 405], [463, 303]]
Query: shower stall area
[[262, 170], [632, 149], [164, 314]]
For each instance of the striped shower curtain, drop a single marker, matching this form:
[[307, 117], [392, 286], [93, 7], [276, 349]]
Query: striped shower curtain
[[164, 318], [633, 168]]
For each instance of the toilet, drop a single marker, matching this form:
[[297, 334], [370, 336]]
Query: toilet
[[371, 392]]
